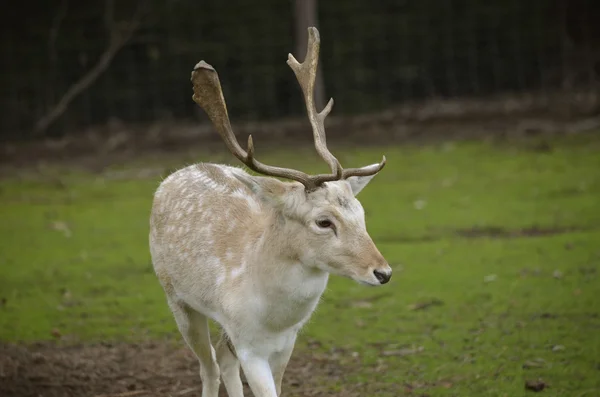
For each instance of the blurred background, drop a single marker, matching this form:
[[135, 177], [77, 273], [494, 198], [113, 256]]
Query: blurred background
[[70, 65]]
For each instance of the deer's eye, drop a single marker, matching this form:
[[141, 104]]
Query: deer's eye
[[324, 223]]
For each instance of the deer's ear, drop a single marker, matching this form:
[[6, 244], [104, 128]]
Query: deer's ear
[[269, 190], [358, 183]]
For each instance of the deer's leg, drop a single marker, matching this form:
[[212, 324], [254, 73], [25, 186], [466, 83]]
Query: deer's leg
[[194, 329], [258, 372], [279, 361], [230, 367]]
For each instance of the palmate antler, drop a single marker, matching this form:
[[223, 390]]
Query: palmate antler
[[208, 94]]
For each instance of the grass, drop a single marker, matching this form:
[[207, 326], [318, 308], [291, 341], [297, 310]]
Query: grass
[[496, 250]]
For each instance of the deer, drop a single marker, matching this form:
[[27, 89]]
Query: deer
[[253, 253]]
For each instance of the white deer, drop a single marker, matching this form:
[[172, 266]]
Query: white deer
[[254, 253]]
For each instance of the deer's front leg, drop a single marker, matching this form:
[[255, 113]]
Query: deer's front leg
[[279, 361], [230, 367], [258, 373]]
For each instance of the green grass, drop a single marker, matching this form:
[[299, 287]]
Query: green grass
[[507, 305]]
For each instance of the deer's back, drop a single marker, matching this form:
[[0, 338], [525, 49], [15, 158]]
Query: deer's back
[[203, 223]]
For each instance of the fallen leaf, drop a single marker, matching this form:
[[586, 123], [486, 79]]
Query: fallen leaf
[[535, 385], [56, 333], [557, 348]]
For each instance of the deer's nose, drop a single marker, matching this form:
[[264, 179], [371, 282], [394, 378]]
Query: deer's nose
[[382, 277]]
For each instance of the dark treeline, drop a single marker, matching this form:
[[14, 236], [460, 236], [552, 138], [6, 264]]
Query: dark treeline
[[374, 54]]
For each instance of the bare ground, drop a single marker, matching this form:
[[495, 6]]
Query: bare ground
[[98, 146], [146, 369]]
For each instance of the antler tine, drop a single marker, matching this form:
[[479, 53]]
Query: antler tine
[[364, 171], [306, 73], [209, 95]]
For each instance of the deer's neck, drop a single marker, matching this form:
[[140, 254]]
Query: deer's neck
[[280, 275], [278, 244]]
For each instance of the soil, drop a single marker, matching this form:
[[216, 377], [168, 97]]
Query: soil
[[98, 146], [146, 369]]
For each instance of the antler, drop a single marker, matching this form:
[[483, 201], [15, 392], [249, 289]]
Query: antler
[[209, 95], [306, 73]]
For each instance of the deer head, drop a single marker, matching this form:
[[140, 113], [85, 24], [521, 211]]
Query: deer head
[[319, 214]]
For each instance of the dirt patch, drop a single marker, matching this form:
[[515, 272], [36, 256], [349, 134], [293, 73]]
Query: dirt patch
[[95, 147], [148, 369], [498, 232]]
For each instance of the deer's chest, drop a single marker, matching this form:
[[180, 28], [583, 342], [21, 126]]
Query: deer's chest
[[289, 301]]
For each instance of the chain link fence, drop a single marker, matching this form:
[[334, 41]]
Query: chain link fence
[[374, 55]]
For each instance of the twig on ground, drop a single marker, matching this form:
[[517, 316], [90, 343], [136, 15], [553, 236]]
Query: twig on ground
[[186, 391]]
